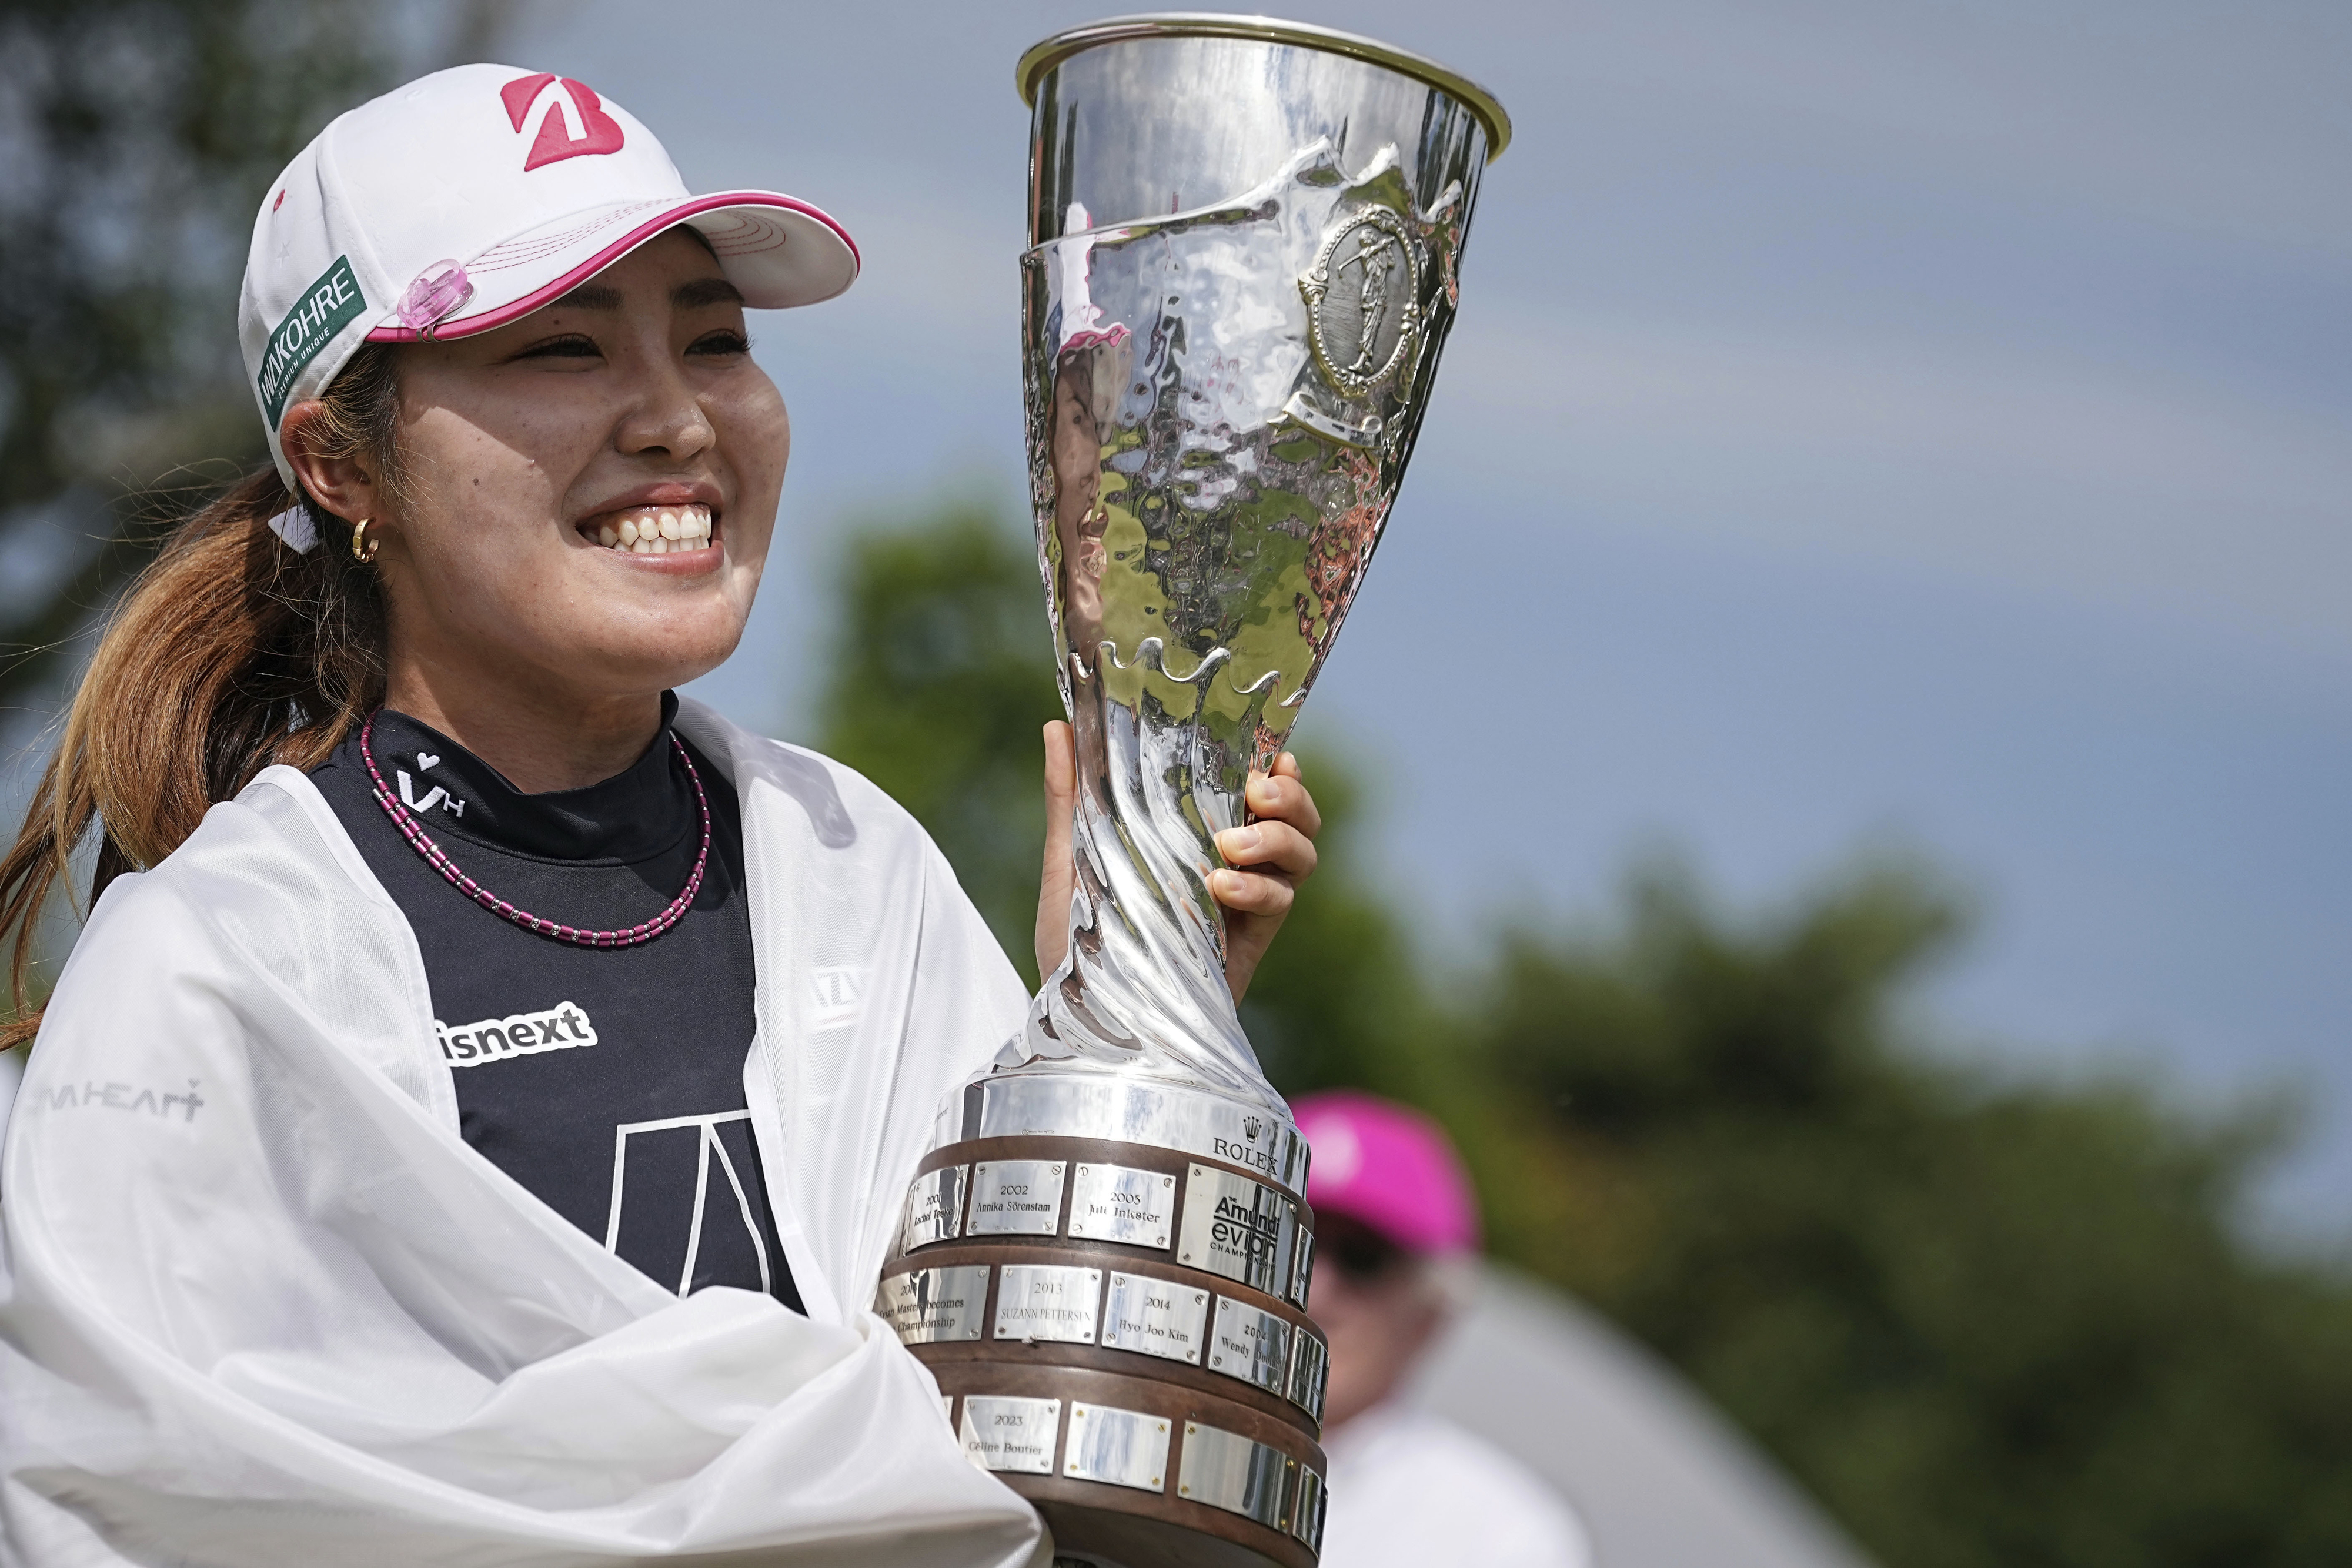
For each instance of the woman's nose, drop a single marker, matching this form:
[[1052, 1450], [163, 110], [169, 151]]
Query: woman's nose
[[668, 419]]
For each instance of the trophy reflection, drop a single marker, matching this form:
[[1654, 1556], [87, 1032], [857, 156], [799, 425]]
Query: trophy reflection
[[1246, 243]]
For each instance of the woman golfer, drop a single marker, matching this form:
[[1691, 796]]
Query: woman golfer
[[471, 1123]]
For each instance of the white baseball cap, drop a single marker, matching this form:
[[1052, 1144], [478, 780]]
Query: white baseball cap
[[472, 198]]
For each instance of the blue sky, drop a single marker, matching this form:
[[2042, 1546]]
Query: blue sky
[[1867, 425]]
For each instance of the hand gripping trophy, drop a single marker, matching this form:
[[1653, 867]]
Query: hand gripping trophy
[[1246, 237]]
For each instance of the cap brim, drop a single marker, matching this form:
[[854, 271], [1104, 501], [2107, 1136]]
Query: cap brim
[[781, 252]]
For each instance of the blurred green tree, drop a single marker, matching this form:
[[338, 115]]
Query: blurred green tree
[[1987, 1322], [940, 683], [1337, 1001], [139, 137]]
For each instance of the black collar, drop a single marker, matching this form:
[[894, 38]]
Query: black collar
[[640, 811]]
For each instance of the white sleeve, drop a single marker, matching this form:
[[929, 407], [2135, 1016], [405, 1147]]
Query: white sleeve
[[881, 990], [12, 1072]]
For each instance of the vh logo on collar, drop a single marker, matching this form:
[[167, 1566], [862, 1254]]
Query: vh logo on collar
[[436, 795]]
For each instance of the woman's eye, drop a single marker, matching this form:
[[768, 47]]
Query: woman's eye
[[571, 346], [726, 341]]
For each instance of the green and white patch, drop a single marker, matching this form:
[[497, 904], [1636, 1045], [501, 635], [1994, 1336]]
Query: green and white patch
[[326, 308]]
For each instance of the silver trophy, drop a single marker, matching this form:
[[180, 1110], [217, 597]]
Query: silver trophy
[[1247, 241]]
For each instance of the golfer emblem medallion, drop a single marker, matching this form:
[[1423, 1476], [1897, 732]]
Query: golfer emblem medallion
[[1363, 302]]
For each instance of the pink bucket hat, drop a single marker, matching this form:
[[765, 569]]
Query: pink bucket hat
[[1390, 1167]]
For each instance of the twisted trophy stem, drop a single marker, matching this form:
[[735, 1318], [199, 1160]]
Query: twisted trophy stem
[[1221, 405]]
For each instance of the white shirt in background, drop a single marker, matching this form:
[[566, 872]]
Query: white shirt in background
[[1412, 1490]]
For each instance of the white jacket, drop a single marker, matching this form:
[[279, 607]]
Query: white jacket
[[260, 1305]]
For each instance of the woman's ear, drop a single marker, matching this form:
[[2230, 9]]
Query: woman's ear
[[345, 486]]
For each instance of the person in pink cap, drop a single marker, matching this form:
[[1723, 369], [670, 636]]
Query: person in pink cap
[[473, 1119], [1396, 1233]]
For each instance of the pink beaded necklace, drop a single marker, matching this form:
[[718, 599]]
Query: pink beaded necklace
[[439, 860]]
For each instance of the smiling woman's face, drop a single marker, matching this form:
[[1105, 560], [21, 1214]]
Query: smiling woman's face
[[629, 406]]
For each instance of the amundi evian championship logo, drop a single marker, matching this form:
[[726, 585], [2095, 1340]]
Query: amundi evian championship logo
[[575, 105]]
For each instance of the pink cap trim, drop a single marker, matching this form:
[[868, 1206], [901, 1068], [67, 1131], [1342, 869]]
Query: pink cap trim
[[548, 293]]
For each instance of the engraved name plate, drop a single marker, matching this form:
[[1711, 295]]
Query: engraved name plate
[[1015, 1197], [1155, 1317], [1311, 1367], [1227, 1470], [1119, 1203], [935, 1207], [1302, 1267], [1307, 1510], [1048, 1300], [1238, 1228], [934, 1304], [1001, 1434], [1121, 1448], [1247, 1343]]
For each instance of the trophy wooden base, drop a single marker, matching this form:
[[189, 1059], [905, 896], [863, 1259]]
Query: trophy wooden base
[[1124, 1525], [1116, 1335]]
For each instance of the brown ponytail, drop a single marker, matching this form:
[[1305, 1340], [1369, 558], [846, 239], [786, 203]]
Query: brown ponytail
[[232, 651]]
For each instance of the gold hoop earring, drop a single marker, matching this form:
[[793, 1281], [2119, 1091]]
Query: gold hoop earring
[[363, 547]]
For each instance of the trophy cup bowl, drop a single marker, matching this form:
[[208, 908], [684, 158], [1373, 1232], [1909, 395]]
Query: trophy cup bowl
[[1245, 238]]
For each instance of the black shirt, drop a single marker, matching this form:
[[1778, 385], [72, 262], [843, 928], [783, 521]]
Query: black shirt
[[607, 1080]]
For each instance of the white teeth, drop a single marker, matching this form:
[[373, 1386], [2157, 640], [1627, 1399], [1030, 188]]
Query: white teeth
[[658, 530]]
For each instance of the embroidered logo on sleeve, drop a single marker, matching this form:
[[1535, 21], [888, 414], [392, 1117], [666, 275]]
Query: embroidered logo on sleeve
[[113, 1096], [563, 1026], [837, 997]]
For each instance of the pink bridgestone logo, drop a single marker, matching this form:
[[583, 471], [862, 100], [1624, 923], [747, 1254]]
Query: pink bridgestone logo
[[599, 132]]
